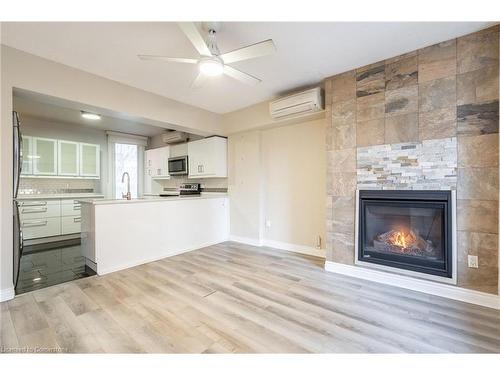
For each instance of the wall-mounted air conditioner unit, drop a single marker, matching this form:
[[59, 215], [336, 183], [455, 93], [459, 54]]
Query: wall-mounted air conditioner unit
[[174, 137], [302, 103]]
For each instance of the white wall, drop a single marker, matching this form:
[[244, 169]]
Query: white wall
[[279, 175]]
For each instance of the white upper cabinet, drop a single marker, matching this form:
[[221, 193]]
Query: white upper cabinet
[[157, 162], [68, 159], [208, 158], [44, 156], [59, 158], [27, 151], [89, 160]]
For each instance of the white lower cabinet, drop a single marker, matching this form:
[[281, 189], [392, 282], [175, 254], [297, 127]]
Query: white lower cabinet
[[71, 224], [49, 218], [43, 227]]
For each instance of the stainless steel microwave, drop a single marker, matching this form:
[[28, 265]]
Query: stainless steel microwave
[[178, 166]]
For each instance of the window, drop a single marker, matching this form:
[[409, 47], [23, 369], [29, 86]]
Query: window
[[125, 154], [126, 160]]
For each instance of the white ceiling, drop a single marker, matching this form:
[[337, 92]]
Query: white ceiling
[[306, 53], [43, 107]]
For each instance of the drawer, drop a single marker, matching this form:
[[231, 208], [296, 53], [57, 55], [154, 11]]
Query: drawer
[[38, 203], [71, 209], [65, 202], [71, 224], [37, 228], [40, 211]]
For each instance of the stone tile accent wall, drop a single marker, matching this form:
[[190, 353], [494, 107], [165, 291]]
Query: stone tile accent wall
[[427, 119], [427, 165]]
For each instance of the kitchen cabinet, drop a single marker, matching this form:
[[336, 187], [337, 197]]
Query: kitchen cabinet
[[44, 156], [157, 162], [68, 158], [59, 158], [27, 152], [40, 218], [89, 160], [208, 158]]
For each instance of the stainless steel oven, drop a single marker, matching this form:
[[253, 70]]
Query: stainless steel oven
[[178, 166]]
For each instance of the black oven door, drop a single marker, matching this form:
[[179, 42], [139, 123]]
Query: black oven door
[[178, 166]]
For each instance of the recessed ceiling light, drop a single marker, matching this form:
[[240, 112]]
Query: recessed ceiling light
[[211, 66], [90, 116]]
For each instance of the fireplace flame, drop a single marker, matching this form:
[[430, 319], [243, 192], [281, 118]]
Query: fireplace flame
[[402, 239]]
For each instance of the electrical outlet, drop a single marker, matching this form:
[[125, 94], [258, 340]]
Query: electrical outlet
[[473, 261]]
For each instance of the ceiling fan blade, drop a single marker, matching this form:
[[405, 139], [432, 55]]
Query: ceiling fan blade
[[199, 81], [240, 76], [167, 59], [266, 47], [191, 31]]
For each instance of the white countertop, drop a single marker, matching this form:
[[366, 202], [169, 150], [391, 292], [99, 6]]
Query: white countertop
[[148, 199], [58, 196]]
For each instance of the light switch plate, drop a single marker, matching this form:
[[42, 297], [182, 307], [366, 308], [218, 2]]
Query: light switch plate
[[472, 261]]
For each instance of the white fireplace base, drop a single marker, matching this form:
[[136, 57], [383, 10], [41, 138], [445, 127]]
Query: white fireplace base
[[425, 286]]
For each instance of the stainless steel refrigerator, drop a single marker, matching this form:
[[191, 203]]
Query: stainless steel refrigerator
[[18, 163]]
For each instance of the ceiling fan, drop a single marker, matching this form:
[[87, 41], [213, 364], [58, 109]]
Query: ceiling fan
[[211, 62]]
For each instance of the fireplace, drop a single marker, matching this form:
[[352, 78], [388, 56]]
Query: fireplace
[[408, 230]]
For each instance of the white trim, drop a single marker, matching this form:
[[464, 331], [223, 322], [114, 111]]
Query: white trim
[[308, 250], [454, 256], [425, 286], [7, 294]]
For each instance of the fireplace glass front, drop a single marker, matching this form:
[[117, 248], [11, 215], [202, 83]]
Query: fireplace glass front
[[406, 229]]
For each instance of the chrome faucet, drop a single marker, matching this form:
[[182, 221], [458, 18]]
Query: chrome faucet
[[127, 195]]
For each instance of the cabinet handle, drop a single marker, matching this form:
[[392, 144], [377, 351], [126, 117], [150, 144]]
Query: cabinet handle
[[39, 223], [77, 207], [77, 220], [34, 203], [33, 210]]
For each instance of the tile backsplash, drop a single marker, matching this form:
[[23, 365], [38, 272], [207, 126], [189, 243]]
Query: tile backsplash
[[57, 185], [209, 184]]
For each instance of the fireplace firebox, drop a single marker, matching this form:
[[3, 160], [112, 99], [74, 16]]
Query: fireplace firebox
[[406, 229]]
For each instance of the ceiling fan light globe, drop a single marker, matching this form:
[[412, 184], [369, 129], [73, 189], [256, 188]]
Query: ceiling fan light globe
[[211, 67]]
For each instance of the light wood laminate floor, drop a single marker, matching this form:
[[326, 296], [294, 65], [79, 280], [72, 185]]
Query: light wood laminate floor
[[238, 298]]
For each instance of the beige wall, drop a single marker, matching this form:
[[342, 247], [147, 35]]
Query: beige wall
[[245, 185], [293, 161], [278, 175], [25, 71]]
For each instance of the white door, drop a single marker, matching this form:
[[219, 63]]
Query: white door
[[44, 156], [27, 150], [89, 160], [196, 154], [68, 158]]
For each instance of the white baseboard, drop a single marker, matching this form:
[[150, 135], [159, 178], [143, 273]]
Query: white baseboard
[[279, 245], [7, 294], [425, 286]]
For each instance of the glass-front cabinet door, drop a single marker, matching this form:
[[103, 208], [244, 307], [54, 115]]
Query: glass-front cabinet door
[[27, 152], [89, 160], [44, 156], [68, 159]]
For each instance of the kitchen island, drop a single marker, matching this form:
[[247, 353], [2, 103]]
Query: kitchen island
[[118, 234]]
